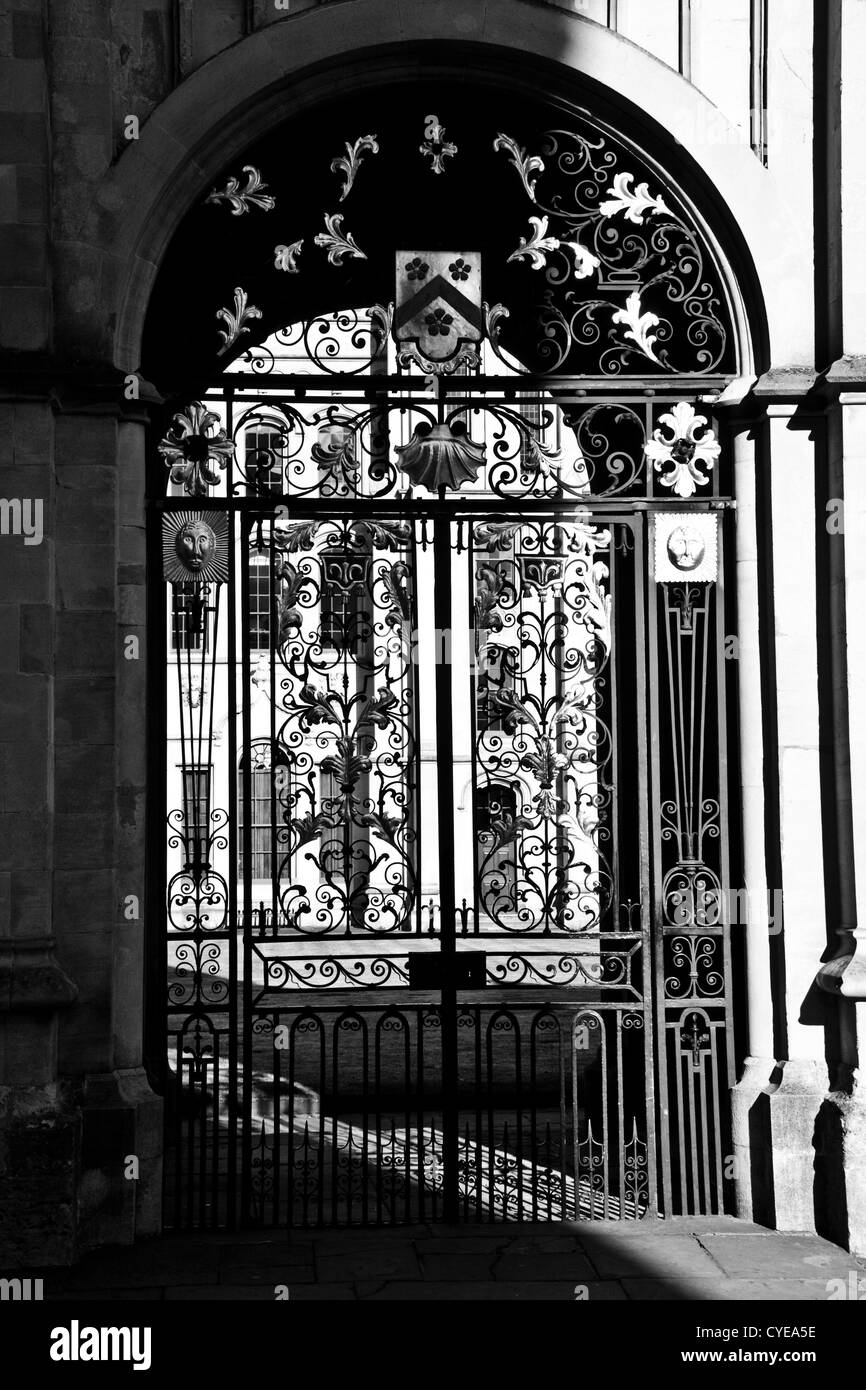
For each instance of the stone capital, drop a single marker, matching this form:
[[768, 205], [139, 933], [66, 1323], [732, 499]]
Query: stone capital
[[31, 978]]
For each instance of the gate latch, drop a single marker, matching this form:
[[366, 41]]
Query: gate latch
[[427, 970]]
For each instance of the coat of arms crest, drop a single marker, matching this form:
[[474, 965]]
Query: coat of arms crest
[[438, 320]]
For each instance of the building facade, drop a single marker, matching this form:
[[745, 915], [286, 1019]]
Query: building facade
[[581, 352]]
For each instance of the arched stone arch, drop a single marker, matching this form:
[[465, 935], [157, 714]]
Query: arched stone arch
[[289, 66]]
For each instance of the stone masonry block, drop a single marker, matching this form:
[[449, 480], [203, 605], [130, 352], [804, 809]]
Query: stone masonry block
[[24, 774], [84, 778], [85, 574], [10, 617], [83, 903], [5, 903], [36, 638], [83, 443], [33, 434], [80, 60], [27, 35], [25, 842], [82, 841], [22, 84], [24, 707], [31, 906], [32, 194], [9, 212], [133, 605], [24, 317], [23, 253], [24, 139], [26, 570], [85, 641], [84, 711]]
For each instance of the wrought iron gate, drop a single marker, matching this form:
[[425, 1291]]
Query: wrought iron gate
[[447, 871]]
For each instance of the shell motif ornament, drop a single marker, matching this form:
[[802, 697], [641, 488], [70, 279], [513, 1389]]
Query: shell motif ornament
[[440, 456]]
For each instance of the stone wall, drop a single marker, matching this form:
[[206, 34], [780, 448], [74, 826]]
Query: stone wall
[[84, 215]]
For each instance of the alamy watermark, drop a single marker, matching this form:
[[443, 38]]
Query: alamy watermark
[[724, 907], [22, 516]]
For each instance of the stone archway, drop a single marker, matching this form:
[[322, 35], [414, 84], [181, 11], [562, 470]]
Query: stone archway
[[697, 1030]]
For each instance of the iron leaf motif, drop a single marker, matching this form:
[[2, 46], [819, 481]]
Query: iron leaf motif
[[346, 765], [286, 257], [639, 326], [235, 322], [338, 244], [496, 535], [490, 582], [240, 200], [539, 246], [318, 708], [636, 203], [545, 762], [527, 166], [385, 535], [297, 535], [348, 164]]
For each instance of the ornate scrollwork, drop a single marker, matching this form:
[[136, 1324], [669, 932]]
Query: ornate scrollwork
[[542, 862], [695, 965]]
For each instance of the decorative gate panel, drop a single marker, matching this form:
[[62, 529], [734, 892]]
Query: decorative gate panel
[[435, 948], [446, 877]]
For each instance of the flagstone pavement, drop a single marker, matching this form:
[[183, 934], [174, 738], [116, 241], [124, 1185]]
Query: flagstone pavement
[[702, 1259]]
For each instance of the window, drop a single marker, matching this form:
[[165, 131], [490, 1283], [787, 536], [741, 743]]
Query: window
[[260, 604], [196, 814], [264, 450], [530, 409], [495, 809], [495, 677], [265, 796], [344, 577], [189, 617]]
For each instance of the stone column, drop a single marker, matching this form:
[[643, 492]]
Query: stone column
[[39, 1125], [853, 980], [796, 1100], [750, 1138], [99, 904]]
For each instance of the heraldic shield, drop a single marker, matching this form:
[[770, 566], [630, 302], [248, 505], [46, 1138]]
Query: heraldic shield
[[438, 320]]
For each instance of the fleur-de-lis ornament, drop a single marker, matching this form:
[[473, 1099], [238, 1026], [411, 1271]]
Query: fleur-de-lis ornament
[[435, 146]]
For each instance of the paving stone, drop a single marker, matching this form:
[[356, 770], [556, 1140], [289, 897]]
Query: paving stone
[[566, 1266], [777, 1254], [269, 1275], [642, 1258], [478, 1245], [726, 1290], [306, 1293], [361, 1241], [457, 1267], [220, 1293], [141, 1267], [533, 1291], [381, 1264], [542, 1245], [107, 1295], [270, 1255]]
